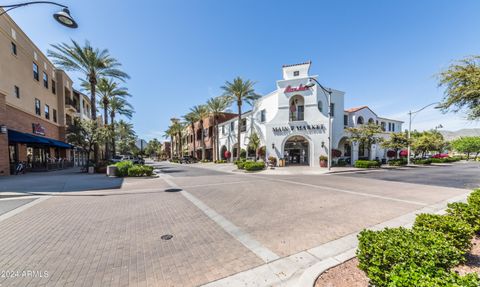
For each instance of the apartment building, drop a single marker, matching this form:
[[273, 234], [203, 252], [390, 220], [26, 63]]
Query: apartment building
[[37, 102]]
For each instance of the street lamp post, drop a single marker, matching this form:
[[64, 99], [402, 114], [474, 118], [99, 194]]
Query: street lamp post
[[63, 17], [329, 101], [410, 113]]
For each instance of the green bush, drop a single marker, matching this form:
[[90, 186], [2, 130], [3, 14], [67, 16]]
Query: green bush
[[465, 212], [122, 168], [397, 162], [204, 161], [428, 276], [367, 164], [140, 170], [243, 153], [457, 232], [240, 164], [221, 161], [425, 161], [253, 165], [380, 251], [474, 199]]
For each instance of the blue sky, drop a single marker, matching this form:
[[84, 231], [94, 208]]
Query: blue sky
[[384, 54]]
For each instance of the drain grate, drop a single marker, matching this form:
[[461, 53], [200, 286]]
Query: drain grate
[[166, 237], [173, 190]]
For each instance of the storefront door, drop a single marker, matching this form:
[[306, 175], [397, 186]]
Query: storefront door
[[296, 151]]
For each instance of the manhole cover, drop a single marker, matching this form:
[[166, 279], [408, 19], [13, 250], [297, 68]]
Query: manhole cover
[[166, 237], [173, 190]]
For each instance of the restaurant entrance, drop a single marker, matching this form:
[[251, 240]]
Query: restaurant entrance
[[296, 151]]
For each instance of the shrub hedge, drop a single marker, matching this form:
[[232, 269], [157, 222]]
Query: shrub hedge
[[253, 165], [221, 161], [458, 232], [380, 251], [140, 170], [367, 164], [122, 168], [422, 256], [428, 276], [397, 162], [424, 161]]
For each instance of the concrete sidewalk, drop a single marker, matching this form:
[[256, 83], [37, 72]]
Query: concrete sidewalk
[[56, 181]]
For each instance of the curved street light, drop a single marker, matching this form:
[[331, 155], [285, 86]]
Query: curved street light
[[63, 17], [311, 83], [410, 113]]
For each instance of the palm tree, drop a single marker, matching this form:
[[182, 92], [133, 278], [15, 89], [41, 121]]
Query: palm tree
[[216, 106], [118, 106], [108, 90], [240, 91], [170, 133], [191, 118], [92, 62], [126, 136], [201, 112]]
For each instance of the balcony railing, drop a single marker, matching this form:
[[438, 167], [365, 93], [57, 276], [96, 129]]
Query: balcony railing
[[71, 105]]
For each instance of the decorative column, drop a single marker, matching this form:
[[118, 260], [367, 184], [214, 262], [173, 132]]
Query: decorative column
[[354, 154]]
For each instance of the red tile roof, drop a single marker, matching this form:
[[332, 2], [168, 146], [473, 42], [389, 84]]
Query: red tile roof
[[352, 110]]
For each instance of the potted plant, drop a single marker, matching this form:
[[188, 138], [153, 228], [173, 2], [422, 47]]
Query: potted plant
[[323, 161], [272, 161]]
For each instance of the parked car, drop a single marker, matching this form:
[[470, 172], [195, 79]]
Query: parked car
[[440, 155], [188, 159], [138, 160], [116, 158]]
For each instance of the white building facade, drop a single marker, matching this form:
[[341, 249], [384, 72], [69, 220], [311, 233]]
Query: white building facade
[[292, 123]]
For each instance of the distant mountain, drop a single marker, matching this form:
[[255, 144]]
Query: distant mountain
[[449, 135]]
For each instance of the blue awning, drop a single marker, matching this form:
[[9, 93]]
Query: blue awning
[[18, 137]]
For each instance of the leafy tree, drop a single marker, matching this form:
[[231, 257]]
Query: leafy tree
[[201, 112], [215, 107], [366, 135], [427, 141], [85, 134], [169, 134], [462, 82], [240, 91], [397, 141], [119, 106], [254, 143], [92, 62], [154, 148], [126, 137], [468, 145]]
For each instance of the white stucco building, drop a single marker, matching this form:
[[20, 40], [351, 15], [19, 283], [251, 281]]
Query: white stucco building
[[292, 122]]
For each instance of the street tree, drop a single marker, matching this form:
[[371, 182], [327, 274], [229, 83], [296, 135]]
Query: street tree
[[254, 143], [85, 134], [240, 91], [366, 135], [462, 87], [215, 107], [201, 112], [396, 142], [126, 137], [92, 62], [467, 145]]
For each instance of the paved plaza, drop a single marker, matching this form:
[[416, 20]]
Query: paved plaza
[[226, 226]]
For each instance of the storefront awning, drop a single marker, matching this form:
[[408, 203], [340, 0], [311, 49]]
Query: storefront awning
[[18, 137]]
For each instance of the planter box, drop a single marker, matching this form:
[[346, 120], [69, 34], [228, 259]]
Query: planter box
[[111, 170]]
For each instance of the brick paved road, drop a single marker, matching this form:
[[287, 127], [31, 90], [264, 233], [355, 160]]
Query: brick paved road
[[112, 237]]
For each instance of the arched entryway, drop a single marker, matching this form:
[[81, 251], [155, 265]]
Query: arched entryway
[[296, 151], [222, 152]]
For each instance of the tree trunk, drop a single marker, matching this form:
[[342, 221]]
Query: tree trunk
[[180, 143], [171, 147], [93, 84], [112, 122], [105, 114], [239, 104], [203, 140], [217, 140], [194, 140]]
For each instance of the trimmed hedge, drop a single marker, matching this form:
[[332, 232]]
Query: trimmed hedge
[[397, 162], [468, 212], [445, 159], [221, 161], [140, 170], [253, 165], [367, 164], [122, 168], [428, 276], [380, 251], [457, 232], [424, 161]]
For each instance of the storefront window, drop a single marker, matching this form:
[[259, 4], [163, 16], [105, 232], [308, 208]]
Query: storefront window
[[12, 153]]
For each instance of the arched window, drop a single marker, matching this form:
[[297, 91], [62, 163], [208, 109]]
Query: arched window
[[360, 121], [297, 108], [320, 106], [383, 125], [370, 121]]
